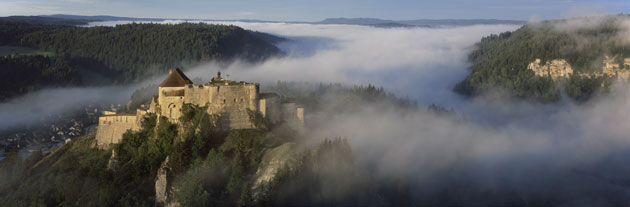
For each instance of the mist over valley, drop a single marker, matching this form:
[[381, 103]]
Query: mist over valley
[[393, 116]]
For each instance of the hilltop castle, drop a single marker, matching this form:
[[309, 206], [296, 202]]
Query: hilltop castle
[[231, 100]]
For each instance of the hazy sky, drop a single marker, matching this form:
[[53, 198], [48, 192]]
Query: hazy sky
[[314, 10]]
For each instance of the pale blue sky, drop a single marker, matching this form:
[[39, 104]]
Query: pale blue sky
[[315, 10]]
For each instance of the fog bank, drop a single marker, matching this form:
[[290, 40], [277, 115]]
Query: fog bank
[[422, 63]]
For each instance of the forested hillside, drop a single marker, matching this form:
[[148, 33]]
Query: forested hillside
[[139, 50], [120, 54], [11, 32], [29, 73], [501, 61]]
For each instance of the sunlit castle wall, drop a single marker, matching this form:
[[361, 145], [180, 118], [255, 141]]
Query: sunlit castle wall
[[112, 127], [170, 101], [232, 101]]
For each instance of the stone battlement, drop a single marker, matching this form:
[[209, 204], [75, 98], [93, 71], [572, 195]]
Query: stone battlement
[[111, 127], [231, 100]]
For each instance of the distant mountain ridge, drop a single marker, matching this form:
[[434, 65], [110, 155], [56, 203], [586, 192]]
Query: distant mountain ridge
[[349, 21], [419, 22], [45, 20], [100, 18]]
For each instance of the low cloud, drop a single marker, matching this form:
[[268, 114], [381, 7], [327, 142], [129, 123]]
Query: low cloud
[[585, 11], [506, 146], [34, 107], [572, 154], [422, 63]]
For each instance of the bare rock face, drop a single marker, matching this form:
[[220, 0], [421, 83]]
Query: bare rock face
[[273, 160], [556, 69], [613, 69], [560, 68], [164, 196], [111, 164]]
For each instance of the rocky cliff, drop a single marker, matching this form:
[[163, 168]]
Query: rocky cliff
[[560, 68], [273, 160], [556, 69], [164, 191]]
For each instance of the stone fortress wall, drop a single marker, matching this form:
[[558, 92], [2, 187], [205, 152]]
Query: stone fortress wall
[[111, 127], [231, 100]]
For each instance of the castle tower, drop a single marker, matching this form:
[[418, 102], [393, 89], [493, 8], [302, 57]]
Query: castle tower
[[171, 94]]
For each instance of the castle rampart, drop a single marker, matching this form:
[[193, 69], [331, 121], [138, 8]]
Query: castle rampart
[[232, 101], [112, 127]]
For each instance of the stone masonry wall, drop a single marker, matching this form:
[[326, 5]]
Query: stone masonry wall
[[112, 127], [270, 108], [170, 104], [231, 102]]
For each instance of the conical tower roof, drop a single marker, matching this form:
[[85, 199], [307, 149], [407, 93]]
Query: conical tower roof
[[176, 78]]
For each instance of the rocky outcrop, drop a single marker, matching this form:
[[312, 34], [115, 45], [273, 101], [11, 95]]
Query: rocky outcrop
[[111, 164], [613, 69], [560, 68], [556, 69], [164, 192], [273, 160]]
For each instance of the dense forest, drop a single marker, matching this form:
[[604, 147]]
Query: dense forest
[[12, 31], [24, 74], [140, 50], [500, 61], [120, 54]]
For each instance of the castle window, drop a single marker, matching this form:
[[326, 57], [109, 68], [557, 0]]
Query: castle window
[[241, 100], [234, 100], [223, 101]]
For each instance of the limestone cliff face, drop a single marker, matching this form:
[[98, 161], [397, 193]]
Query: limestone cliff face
[[111, 164], [557, 69], [273, 160], [616, 70], [164, 196], [560, 68]]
